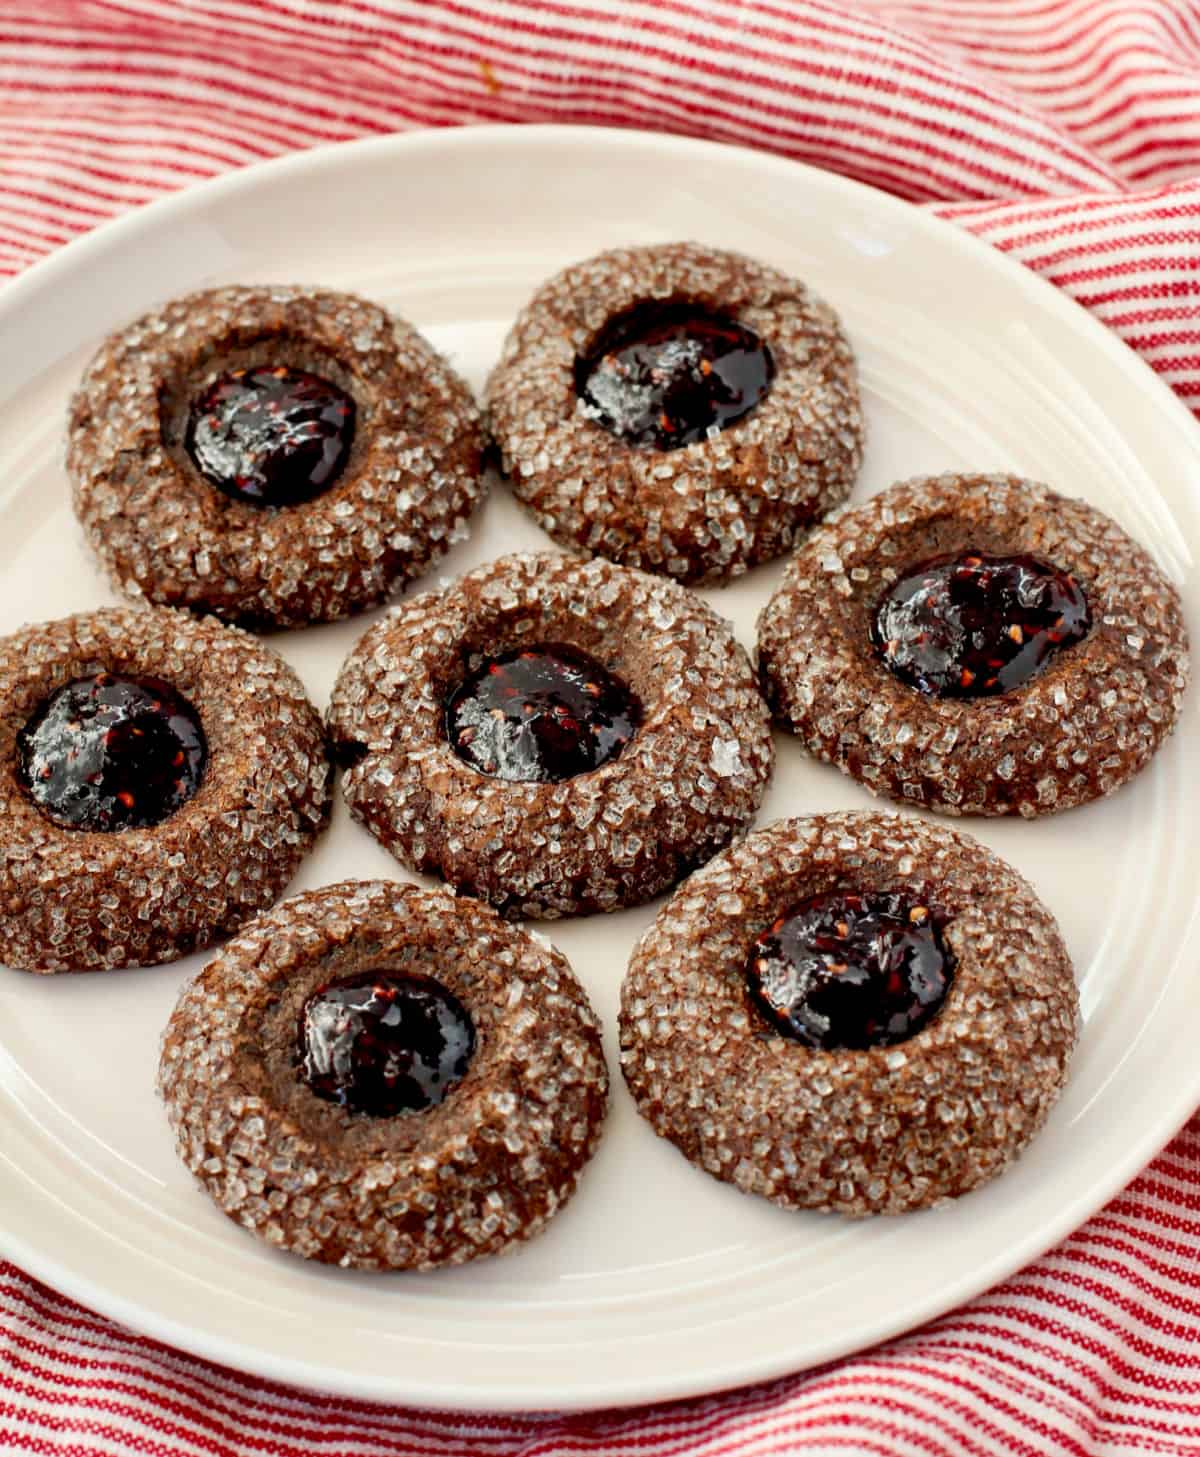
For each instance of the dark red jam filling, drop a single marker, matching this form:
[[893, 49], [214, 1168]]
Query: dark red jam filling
[[540, 714], [851, 971], [384, 1042], [668, 374], [112, 753], [972, 626], [272, 436]]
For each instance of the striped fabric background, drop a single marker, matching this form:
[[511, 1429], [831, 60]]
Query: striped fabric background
[[1066, 132]]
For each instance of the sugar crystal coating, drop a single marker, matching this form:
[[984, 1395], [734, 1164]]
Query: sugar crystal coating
[[403, 493], [1087, 722], [689, 778], [857, 1131], [474, 1175], [75, 900], [708, 510]]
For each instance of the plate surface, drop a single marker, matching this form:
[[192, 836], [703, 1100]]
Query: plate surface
[[656, 1281]]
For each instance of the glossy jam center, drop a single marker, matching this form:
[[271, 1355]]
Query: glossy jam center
[[972, 626], [112, 753], [384, 1042], [272, 436], [540, 714], [666, 375], [850, 970]]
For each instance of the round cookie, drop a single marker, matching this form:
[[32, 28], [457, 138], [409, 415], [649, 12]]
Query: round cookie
[[272, 455], [473, 1174], [737, 494], [162, 778], [681, 774], [1092, 707], [855, 1129]]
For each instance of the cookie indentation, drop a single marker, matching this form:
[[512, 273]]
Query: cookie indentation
[[271, 436], [974, 625], [850, 970], [670, 374], [540, 715], [384, 1042], [109, 752]]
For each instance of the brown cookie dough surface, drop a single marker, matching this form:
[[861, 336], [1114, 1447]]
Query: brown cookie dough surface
[[861, 1131], [82, 900], [165, 533], [475, 1174], [691, 776], [1084, 725], [708, 510]]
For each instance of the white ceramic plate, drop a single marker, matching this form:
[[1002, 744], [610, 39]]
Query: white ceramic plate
[[656, 1281]]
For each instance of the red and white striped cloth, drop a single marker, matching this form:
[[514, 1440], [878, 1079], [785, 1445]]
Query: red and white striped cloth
[[1064, 131]]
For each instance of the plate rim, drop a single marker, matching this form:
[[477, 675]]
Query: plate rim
[[303, 1374]]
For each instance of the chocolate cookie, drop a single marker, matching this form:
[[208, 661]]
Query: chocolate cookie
[[977, 645], [161, 778], [274, 456], [677, 408], [853, 1012], [387, 1078], [552, 735]]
